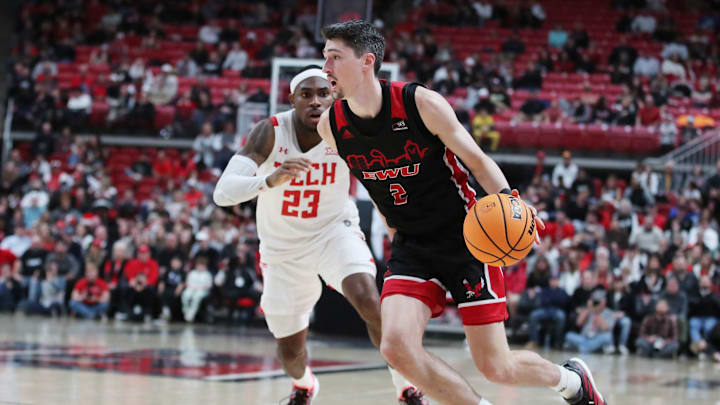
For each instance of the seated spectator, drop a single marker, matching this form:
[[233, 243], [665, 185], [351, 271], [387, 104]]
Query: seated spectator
[[658, 333], [513, 46], [557, 37], [620, 300], [113, 273], [623, 54], [649, 113], [10, 288], [170, 288], [596, 323], [625, 111], [230, 34], [499, 96], [44, 142], [209, 33], [531, 79], [704, 313], [648, 237], [704, 234], [187, 67], [687, 280], [581, 296], [549, 306], [46, 296], [68, 265], [532, 110], [646, 65], [162, 165], [214, 65], [678, 303], [142, 114], [674, 68], [601, 112], [483, 127], [644, 24], [142, 275], [90, 296], [239, 280], [164, 87], [237, 58], [199, 54], [702, 94], [197, 287], [79, 106], [565, 172]]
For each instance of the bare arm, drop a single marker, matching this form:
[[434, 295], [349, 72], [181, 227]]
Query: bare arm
[[440, 119], [260, 142]]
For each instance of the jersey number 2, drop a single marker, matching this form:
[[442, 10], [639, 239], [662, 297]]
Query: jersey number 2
[[398, 193], [289, 207]]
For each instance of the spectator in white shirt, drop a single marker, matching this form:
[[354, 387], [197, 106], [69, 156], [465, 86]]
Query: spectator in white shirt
[[646, 65], [538, 12], [198, 284], [236, 59], [565, 172], [674, 48], [483, 9], [647, 237], [673, 66], [644, 23], [705, 234], [209, 34]]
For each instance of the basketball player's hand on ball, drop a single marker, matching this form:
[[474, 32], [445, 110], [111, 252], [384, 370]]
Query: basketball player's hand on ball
[[538, 222], [290, 168]]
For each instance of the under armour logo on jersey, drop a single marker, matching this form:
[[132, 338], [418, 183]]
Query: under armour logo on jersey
[[399, 126], [283, 150], [330, 151], [346, 134]]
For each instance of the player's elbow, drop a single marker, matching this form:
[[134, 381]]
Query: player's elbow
[[220, 198]]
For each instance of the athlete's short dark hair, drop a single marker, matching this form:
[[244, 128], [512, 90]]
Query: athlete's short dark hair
[[361, 36]]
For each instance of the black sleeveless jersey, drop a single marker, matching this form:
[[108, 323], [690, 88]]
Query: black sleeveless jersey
[[417, 183]]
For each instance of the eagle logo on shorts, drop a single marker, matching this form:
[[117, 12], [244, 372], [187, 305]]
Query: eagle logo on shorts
[[473, 291]]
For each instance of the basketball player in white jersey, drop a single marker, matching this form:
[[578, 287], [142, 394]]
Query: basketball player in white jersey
[[307, 225]]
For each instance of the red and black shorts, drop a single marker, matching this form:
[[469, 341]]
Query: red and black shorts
[[427, 267]]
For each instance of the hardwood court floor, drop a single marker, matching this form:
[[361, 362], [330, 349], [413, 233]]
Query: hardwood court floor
[[54, 362]]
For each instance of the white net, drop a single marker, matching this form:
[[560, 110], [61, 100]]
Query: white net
[[283, 70]]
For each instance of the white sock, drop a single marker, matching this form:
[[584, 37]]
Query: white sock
[[306, 381], [484, 402], [399, 381], [569, 384]]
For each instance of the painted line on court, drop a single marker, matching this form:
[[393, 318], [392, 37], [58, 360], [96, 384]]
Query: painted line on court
[[262, 375]]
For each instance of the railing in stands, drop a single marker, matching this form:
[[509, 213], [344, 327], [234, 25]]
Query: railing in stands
[[7, 142], [703, 151]]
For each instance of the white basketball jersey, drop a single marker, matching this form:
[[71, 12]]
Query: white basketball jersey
[[306, 210]]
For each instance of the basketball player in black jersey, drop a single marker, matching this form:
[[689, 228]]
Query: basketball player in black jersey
[[405, 144]]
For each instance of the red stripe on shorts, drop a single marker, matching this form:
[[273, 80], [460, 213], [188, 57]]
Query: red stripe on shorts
[[430, 293]]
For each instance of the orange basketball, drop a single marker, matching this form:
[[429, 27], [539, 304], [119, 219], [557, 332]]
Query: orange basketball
[[499, 230]]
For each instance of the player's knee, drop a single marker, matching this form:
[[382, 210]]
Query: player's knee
[[501, 371], [394, 349]]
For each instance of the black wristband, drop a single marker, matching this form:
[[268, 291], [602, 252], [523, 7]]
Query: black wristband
[[505, 191]]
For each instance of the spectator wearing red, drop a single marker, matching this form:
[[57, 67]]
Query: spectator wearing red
[[142, 264], [142, 274], [91, 295], [162, 166], [649, 114]]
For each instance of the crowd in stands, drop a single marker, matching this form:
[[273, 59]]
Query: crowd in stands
[[621, 265], [73, 242], [133, 66]]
